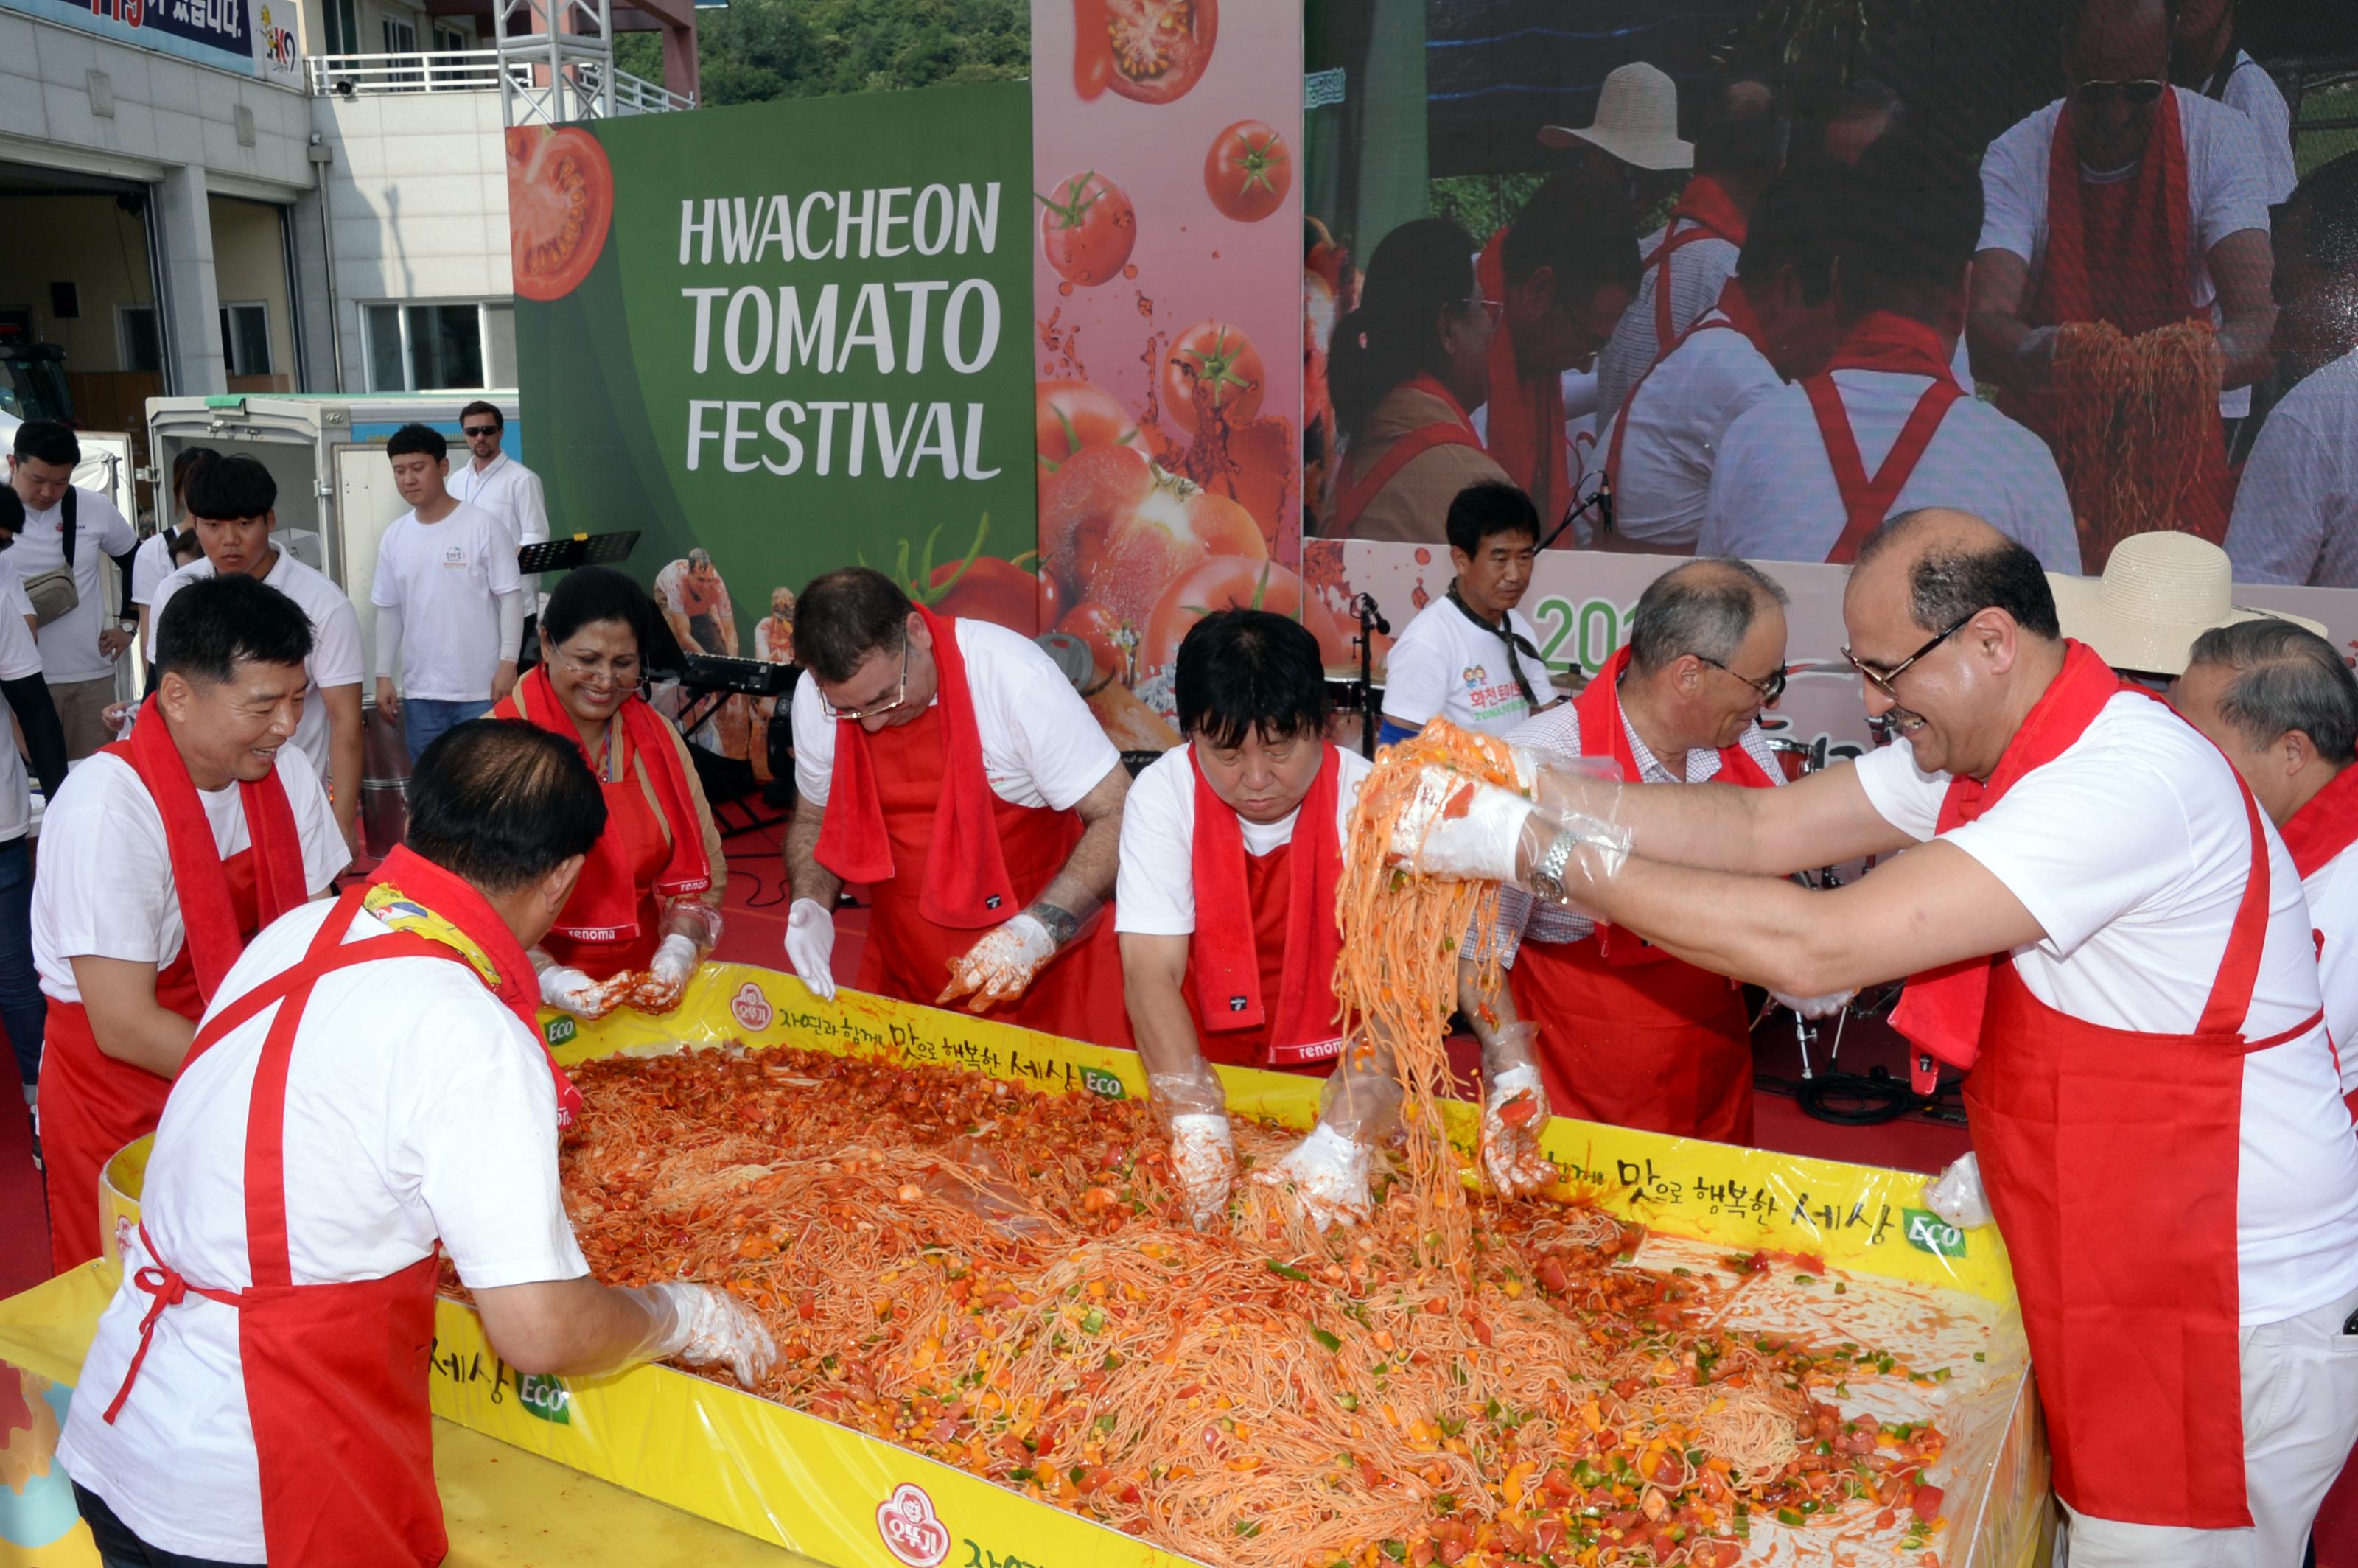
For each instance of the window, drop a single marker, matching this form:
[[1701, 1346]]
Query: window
[[245, 338], [440, 348], [400, 36], [448, 40], [141, 347], [342, 24]]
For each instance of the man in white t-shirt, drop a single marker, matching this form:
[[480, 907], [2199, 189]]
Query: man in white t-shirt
[[160, 857], [22, 1009], [2279, 699], [2297, 506], [1814, 468], [2206, 57], [2096, 919], [154, 559], [2167, 222], [233, 503], [949, 767], [79, 644], [1470, 657], [1774, 320], [258, 1384], [450, 603]]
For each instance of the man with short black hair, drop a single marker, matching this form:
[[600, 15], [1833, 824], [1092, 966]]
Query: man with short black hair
[[949, 766], [1469, 657], [495, 482], [160, 858], [62, 541], [450, 603], [368, 1089], [232, 505]]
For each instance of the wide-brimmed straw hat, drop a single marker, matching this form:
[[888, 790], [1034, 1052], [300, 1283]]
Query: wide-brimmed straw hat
[[2158, 593], [1637, 121]]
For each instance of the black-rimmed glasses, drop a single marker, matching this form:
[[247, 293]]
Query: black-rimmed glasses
[[1885, 681], [1770, 689], [900, 695]]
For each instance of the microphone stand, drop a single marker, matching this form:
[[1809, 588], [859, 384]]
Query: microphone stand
[[1371, 621], [1603, 503]]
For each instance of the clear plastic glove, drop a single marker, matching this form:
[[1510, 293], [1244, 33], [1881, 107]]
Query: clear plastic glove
[[999, 967], [667, 974], [703, 1327], [1326, 1175], [570, 991], [1204, 1158], [1456, 826], [1514, 1110], [810, 947], [702, 916], [1814, 1005], [1957, 1195], [2036, 350]]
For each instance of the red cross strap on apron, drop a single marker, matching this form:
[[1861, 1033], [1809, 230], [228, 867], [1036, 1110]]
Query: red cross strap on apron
[[91, 1104], [2105, 1150], [1715, 216], [335, 1374], [1880, 342], [1455, 431], [1265, 925], [1736, 307], [912, 814]]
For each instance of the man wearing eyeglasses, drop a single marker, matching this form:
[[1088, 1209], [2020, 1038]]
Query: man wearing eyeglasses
[[495, 482], [2160, 216], [2094, 917], [949, 767], [1629, 1035]]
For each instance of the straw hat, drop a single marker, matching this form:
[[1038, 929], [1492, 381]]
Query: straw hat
[[1637, 121], [2158, 593]]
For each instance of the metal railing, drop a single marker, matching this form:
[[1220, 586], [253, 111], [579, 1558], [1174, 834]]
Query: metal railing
[[474, 70]]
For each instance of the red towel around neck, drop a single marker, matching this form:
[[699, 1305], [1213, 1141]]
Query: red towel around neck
[[2141, 272], [1221, 955], [2326, 826], [1526, 418], [1882, 341]]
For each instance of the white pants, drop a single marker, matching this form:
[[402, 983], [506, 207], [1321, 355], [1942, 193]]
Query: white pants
[[2300, 1418]]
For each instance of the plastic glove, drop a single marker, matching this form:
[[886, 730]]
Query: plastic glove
[[1957, 1195], [2036, 350], [1514, 1109], [1204, 1158], [572, 991], [1327, 1174], [703, 1327], [1814, 1005], [810, 947], [667, 975], [1457, 827], [999, 967]]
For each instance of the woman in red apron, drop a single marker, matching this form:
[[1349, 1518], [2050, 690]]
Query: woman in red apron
[[648, 905]]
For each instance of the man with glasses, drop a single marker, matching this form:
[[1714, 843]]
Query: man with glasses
[[498, 484], [1628, 1034], [2161, 216], [2094, 918], [949, 767]]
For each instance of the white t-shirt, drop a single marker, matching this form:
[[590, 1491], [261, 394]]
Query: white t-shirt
[[2251, 89], [1698, 270], [19, 656], [442, 577], [417, 1108], [509, 492], [1445, 663], [150, 564], [1155, 895], [335, 660], [2332, 893], [1677, 416], [1773, 496], [69, 650], [2136, 917], [1041, 744], [2227, 191], [105, 886], [2297, 508]]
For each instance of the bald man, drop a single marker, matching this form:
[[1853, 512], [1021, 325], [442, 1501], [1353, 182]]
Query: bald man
[[2154, 1103]]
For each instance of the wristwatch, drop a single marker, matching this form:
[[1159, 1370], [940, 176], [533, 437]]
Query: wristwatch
[[1547, 877]]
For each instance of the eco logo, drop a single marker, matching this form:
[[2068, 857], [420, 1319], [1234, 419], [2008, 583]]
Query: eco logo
[[557, 1030], [545, 1397], [1928, 1232], [751, 1008], [1102, 1084], [911, 1532]]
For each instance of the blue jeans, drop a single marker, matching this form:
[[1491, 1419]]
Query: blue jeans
[[23, 1009], [423, 720]]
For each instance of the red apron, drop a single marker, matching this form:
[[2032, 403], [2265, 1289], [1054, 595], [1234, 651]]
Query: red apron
[[1078, 995], [1866, 501], [631, 820], [1664, 1047], [1360, 495], [2124, 1258], [91, 1104], [335, 1374], [1269, 887]]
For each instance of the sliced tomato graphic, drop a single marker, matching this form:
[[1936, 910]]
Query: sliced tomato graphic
[[560, 204]]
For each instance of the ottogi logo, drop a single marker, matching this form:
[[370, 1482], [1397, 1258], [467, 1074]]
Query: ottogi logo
[[911, 1532], [751, 1008], [557, 1030], [545, 1397], [1102, 1084], [1928, 1232]]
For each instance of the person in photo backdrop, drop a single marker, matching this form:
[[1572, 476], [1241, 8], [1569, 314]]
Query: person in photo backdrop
[[1469, 657], [695, 604], [2206, 56], [63, 540], [1633, 142], [949, 767], [648, 901]]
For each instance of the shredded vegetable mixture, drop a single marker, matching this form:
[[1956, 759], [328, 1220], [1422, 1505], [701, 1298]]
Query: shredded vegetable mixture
[[2134, 420], [1006, 1281]]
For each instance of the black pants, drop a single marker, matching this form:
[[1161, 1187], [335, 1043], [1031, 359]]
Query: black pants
[[118, 1548]]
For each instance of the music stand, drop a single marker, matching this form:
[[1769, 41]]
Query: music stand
[[710, 680], [578, 550]]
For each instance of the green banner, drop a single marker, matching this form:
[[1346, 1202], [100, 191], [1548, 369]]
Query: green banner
[[793, 334]]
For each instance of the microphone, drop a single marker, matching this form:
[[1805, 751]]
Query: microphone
[[1363, 605]]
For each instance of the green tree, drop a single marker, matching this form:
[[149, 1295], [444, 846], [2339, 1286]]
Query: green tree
[[759, 50]]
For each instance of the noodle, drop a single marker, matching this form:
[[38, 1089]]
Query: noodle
[[2133, 427]]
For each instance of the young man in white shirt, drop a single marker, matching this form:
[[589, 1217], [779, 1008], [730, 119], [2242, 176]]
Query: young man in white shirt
[[2297, 506], [1815, 468], [1774, 322], [80, 644], [2206, 57], [450, 603], [233, 504], [1469, 657], [278, 1406], [154, 561], [2095, 917]]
